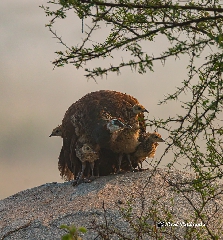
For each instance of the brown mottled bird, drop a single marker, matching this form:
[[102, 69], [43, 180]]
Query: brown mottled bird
[[107, 122], [100, 135], [128, 139], [57, 131], [87, 121], [147, 148], [85, 153], [64, 172]]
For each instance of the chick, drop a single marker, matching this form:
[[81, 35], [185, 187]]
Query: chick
[[57, 131], [85, 122], [127, 141], [85, 153], [146, 149]]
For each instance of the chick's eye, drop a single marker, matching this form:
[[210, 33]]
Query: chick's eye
[[87, 148], [116, 122]]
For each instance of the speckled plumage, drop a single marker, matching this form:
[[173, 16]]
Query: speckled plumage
[[127, 141], [85, 153], [146, 149], [57, 131], [86, 121], [65, 172]]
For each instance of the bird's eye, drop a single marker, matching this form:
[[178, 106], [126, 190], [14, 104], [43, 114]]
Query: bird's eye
[[57, 131], [87, 148], [115, 121], [139, 108]]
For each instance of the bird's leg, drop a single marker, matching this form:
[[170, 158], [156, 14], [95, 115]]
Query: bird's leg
[[92, 172], [92, 168], [88, 173], [119, 163], [130, 163], [92, 177], [139, 167], [97, 168], [80, 175]]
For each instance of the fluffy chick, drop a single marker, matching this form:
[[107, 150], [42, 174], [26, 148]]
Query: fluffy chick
[[126, 141], [147, 148], [57, 131], [85, 153]]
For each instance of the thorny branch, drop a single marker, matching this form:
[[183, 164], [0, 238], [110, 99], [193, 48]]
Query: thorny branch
[[193, 29]]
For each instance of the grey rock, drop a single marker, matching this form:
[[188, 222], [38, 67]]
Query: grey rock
[[39, 212]]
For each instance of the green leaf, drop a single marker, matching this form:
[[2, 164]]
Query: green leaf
[[63, 226], [66, 237], [82, 229]]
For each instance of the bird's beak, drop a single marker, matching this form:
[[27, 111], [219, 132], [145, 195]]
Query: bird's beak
[[128, 126], [145, 110], [50, 135]]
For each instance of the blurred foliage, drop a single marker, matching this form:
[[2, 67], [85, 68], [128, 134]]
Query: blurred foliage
[[73, 232]]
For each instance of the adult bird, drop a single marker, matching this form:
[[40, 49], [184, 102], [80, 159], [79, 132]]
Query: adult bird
[[91, 119]]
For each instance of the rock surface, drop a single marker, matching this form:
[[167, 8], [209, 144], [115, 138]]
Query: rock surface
[[37, 213]]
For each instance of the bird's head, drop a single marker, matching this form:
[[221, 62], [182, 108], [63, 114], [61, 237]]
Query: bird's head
[[115, 125], [138, 108], [155, 137], [87, 149], [57, 131]]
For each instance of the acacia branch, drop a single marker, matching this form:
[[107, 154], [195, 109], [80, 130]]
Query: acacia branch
[[92, 55], [133, 64], [152, 6]]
